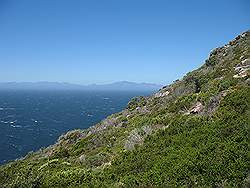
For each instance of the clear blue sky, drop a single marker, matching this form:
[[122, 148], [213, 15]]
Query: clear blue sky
[[102, 41]]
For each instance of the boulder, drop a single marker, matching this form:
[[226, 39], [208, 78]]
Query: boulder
[[242, 69], [197, 108], [162, 94], [82, 158]]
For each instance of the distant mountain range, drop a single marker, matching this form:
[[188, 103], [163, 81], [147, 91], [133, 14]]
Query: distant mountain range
[[120, 86]]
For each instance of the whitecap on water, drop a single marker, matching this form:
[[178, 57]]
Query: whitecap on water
[[34, 120], [12, 122], [13, 145], [16, 126], [11, 136]]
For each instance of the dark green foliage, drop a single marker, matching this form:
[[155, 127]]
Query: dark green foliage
[[193, 151], [61, 152], [136, 102], [182, 103], [211, 61], [225, 84]]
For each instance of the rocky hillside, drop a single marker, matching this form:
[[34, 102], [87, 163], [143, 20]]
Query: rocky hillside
[[192, 133]]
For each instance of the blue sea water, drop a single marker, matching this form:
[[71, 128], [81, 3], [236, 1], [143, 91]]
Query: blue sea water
[[30, 120]]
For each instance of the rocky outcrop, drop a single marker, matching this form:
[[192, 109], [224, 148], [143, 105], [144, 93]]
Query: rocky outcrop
[[242, 69], [197, 108], [82, 158], [162, 94]]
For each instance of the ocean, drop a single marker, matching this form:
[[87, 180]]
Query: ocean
[[30, 120]]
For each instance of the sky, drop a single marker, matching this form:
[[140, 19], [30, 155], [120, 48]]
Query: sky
[[104, 41]]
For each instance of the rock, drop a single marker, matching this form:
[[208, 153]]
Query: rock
[[244, 34], [107, 164], [242, 69], [160, 94], [213, 104], [197, 108], [142, 110], [240, 75], [246, 62], [82, 158], [241, 57]]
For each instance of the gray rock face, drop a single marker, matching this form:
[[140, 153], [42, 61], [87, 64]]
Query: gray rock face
[[196, 109], [82, 158], [162, 94], [214, 102], [242, 68]]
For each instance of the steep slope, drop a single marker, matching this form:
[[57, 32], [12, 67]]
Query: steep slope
[[193, 132]]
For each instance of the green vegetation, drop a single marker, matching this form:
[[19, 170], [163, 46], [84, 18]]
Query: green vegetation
[[193, 150], [192, 133]]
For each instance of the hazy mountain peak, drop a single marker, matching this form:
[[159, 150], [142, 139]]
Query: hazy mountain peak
[[46, 85]]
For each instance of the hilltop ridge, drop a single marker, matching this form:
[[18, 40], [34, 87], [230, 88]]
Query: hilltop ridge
[[192, 132], [116, 86]]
